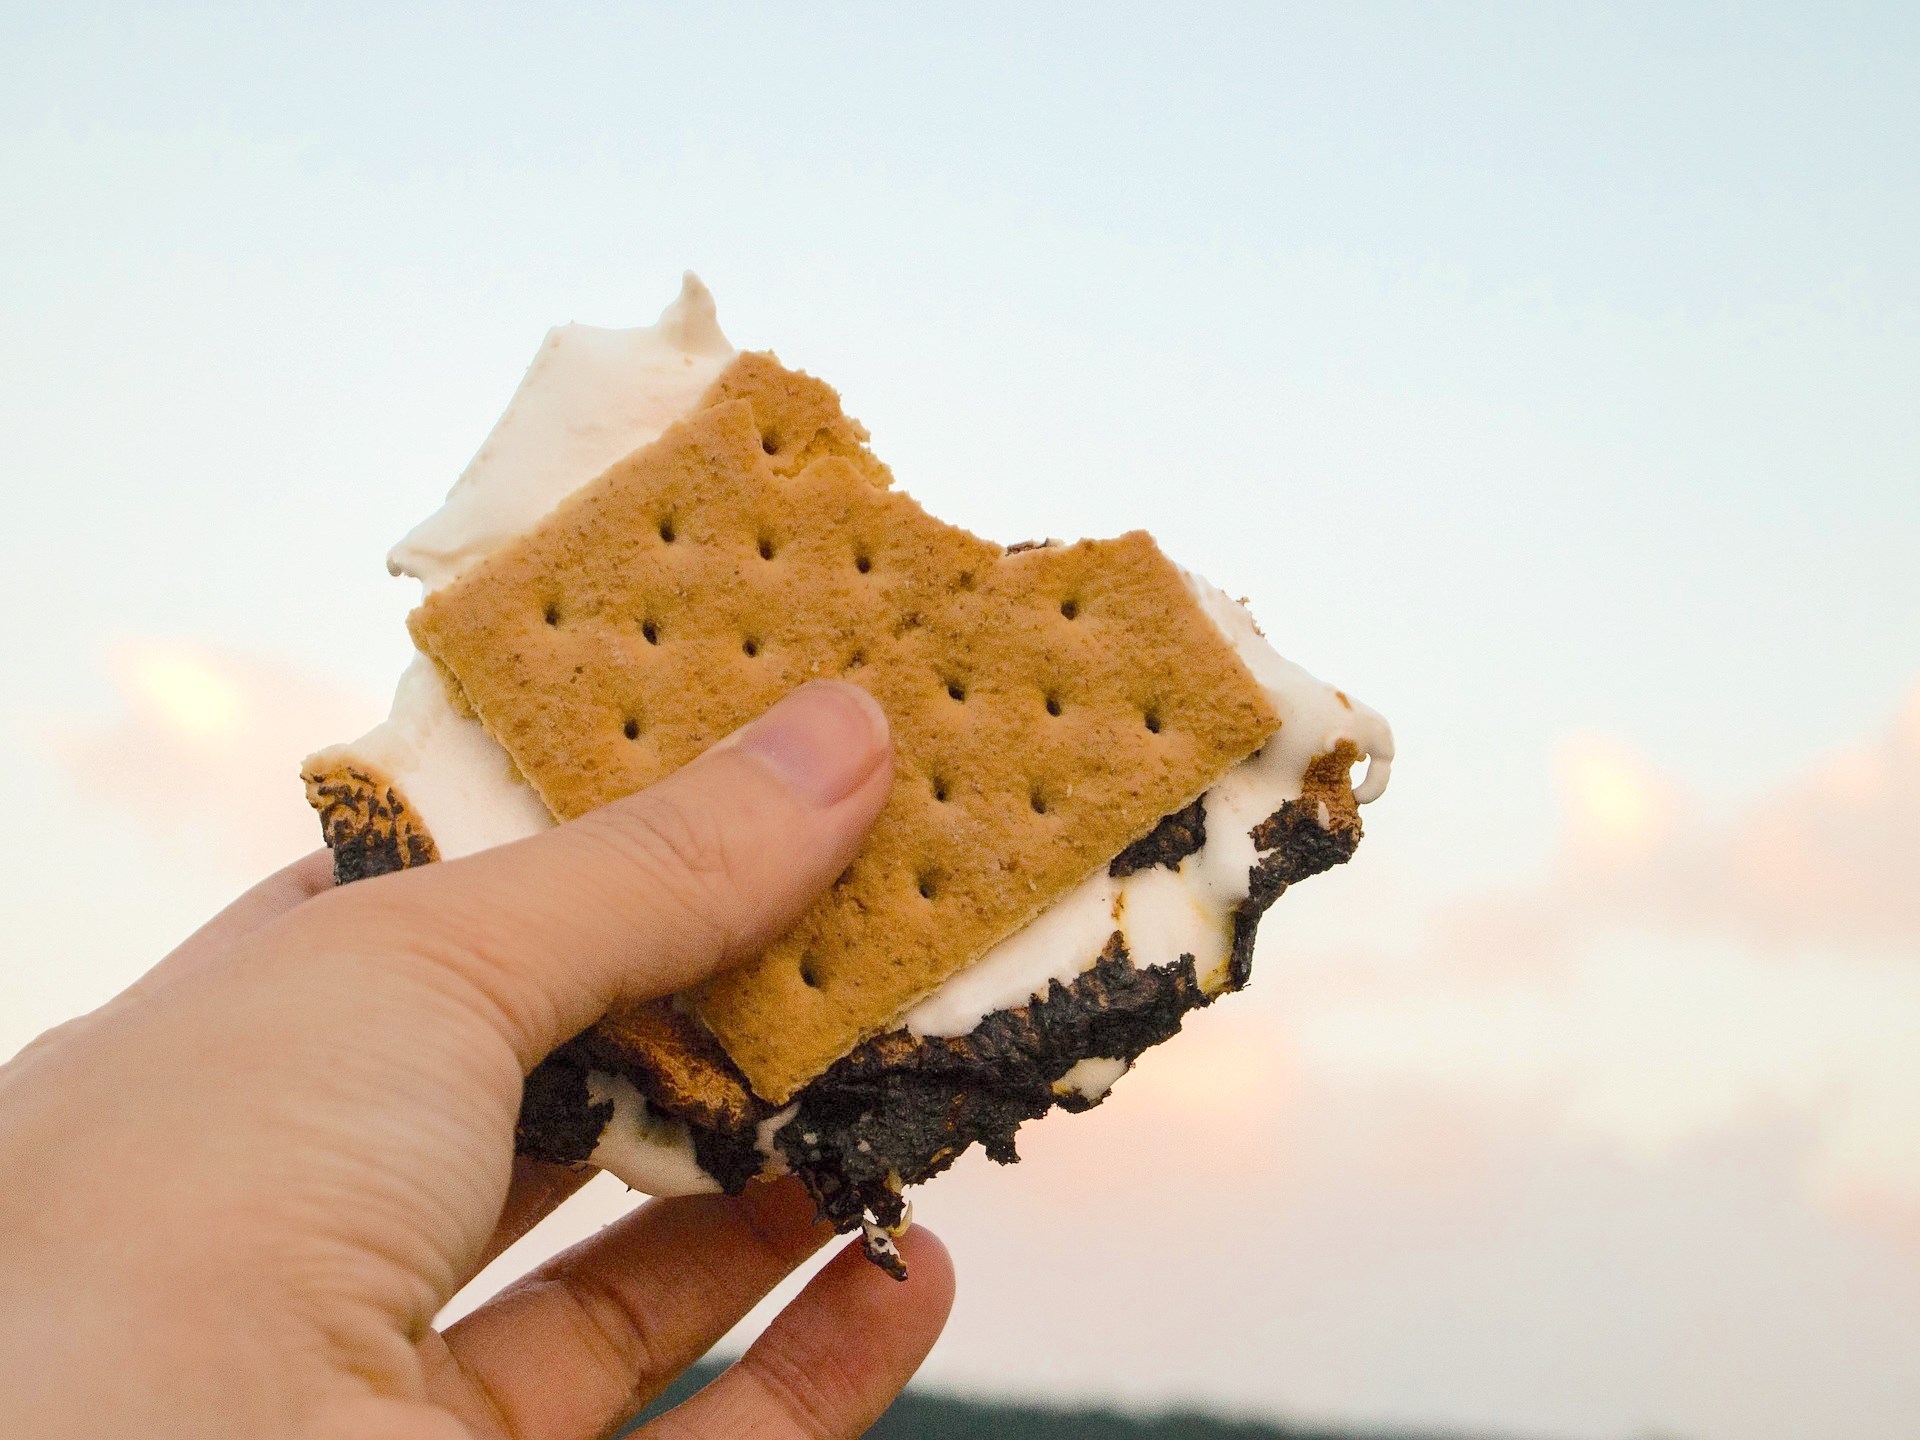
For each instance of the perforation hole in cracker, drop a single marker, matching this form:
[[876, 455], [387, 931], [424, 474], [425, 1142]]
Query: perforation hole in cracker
[[1101, 726]]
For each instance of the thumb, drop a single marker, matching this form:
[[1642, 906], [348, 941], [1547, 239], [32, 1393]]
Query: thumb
[[649, 894]]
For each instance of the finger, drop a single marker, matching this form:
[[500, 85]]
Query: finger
[[651, 893], [593, 1335], [535, 1192], [269, 899], [284, 890], [834, 1359]]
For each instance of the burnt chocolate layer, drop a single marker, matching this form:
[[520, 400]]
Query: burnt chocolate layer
[[1303, 837], [559, 1119], [901, 1109], [1176, 836]]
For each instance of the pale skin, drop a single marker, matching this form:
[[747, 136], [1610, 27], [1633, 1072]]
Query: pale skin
[[236, 1196]]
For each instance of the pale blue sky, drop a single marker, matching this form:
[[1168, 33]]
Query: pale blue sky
[[1536, 370]]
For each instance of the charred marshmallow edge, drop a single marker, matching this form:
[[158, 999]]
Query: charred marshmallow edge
[[592, 396]]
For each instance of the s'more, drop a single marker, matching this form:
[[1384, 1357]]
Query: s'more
[[1104, 773]]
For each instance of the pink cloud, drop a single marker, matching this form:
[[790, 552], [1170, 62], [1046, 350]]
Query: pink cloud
[[1826, 857], [204, 756], [1405, 1251], [1821, 863]]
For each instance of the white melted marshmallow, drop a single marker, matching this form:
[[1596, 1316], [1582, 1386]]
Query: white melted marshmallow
[[1092, 1077], [647, 1152], [589, 398], [592, 396]]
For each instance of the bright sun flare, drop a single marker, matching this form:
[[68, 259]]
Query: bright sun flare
[[184, 691], [1615, 804]]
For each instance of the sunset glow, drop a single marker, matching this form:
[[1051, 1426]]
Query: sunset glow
[[1542, 375], [183, 690]]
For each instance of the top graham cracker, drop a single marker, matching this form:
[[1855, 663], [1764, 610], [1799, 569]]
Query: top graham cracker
[[1049, 704]]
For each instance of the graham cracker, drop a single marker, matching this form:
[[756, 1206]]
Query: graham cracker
[[1049, 706], [676, 1062]]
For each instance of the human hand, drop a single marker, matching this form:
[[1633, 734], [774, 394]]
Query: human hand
[[236, 1195]]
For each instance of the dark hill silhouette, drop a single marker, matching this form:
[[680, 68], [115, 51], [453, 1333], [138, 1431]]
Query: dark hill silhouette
[[928, 1415]]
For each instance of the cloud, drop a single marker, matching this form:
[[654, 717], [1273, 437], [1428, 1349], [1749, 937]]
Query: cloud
[[1824, 860], [204, 756], [1818, 868], [1673, 974], [1403, 1252]]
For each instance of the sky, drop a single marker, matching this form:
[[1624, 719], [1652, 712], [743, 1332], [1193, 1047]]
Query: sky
[[1542, 374]]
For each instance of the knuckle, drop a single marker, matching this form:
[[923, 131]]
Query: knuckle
[[811, 1389], [437, 960], [689, 861], [613, 1331], [687, 838]]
